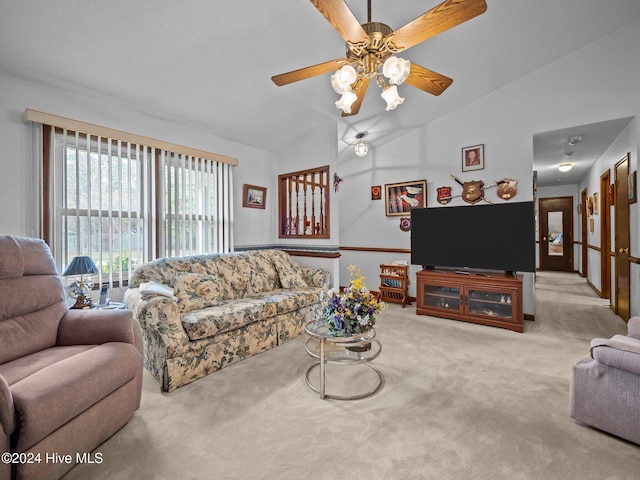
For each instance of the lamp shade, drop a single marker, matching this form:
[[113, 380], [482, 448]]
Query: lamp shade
[[82, 265], [346, 101], [390, 94], [396, 70], [343, 78]]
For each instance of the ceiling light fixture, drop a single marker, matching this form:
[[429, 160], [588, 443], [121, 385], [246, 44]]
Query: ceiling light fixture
[[574, 140], [350, 78], [360, 148], [565, 167]]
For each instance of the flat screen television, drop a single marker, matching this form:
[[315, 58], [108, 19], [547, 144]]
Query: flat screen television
[[489, 237]]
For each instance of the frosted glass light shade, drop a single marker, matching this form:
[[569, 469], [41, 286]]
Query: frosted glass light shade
[[360, 148], [346, 101], [565, 167], [396, 70], [390, 94], [343, 78]]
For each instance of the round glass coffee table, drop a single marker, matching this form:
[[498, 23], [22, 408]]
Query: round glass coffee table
[[359, 349]]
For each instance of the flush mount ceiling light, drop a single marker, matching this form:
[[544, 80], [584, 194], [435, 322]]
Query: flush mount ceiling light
[[371, 49], [565, 167], [360, 148], [574, 140]]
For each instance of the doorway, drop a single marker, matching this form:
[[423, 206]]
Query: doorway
[[622, 239], [605, 234], [556, 231]]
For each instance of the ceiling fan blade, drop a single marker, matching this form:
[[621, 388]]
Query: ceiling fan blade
[[437, 20], [427, 80], [360, 91], [308, 72], [342, 19]]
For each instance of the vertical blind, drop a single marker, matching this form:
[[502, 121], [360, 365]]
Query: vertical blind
[[124, 203]]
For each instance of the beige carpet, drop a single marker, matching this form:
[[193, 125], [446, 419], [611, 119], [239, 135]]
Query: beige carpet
[[460, 401]]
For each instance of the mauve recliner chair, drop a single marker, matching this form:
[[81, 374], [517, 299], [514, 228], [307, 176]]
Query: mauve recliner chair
[[69, 379], [605, 391]]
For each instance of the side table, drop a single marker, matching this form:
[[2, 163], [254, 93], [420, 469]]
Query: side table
[[322, 345]]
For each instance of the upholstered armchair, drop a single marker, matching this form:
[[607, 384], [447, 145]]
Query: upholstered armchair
[[605, 392], [69, 379]]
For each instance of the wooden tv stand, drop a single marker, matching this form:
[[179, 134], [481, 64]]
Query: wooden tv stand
[[487, 298]]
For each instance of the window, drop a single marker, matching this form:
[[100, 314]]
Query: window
[[303, 206], [125, 200]]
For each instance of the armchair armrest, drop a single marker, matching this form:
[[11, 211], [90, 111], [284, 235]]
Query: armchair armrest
[[317, 277], [633, 327], [7, 412], [619, 351], [92, 327]]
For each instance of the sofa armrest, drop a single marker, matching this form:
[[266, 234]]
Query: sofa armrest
[[317, 277], [619, 351], [7, 412], [633, 327], [94, 327], [160, 318]]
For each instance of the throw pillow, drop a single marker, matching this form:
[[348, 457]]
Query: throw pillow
[[289, 272], [196, 290]]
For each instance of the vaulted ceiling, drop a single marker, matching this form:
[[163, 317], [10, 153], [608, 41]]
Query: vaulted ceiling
[[208, 64]]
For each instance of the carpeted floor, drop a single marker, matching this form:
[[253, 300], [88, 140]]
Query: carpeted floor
[[460, 401]]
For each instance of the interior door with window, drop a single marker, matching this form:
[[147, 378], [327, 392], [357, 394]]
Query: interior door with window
[[556, 234]]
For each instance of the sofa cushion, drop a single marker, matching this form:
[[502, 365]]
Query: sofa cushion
[[287, 300], [289, 272], [231, 314], [195, 291], [49, 398]]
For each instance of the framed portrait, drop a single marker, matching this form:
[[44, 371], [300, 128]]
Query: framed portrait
[[473, 158], [595, 203], [376, 192], [632, 194], [254, 196], [590, 205], [400, 198]]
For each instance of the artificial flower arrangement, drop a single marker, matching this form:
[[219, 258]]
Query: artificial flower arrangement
[[351, 311]]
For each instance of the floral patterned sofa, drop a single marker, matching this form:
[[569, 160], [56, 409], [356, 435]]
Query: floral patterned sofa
[[224, 308]]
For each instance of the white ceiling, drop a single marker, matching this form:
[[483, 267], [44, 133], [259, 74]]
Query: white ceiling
[[208, 64]]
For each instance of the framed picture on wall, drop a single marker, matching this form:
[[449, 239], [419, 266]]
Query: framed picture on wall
[[631, 188], [473, 158], [400, 198], [595, 203], [254, 196], [376, 192]]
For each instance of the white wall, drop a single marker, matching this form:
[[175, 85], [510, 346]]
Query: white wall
[[19, 190], [595, 83]]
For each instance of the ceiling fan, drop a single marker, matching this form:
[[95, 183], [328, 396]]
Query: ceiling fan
[[370, 49]]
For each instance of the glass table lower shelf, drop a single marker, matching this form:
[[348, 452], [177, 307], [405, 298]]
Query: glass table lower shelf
[[327, 349]]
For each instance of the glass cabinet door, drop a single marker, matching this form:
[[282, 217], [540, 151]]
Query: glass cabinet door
[[447, 298], [491, 303]]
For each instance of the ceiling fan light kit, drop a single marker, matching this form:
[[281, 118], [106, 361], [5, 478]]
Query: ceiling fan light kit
[[370, 52]]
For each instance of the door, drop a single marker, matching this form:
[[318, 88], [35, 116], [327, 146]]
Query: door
[[622, 240], [605, 235], [556, 224], [584, 235]]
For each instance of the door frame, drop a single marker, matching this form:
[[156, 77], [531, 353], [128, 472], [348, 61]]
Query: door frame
[[605, 235], [619, 255], [584, 237], [555, 263]]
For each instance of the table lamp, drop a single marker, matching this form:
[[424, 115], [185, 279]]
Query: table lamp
[[81, 265]]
